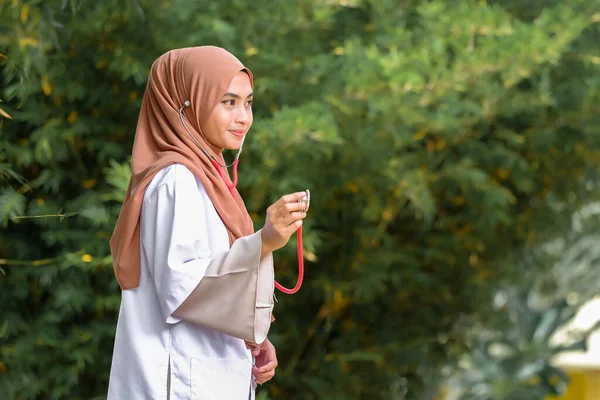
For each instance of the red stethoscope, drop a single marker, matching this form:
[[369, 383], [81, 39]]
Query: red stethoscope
[[231, 187]]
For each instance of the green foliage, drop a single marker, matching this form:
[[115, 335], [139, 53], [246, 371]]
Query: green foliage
[[438, 138], [518, 365], [518, 362]]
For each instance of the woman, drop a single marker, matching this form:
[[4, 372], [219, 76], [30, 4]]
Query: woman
[[197, 281]]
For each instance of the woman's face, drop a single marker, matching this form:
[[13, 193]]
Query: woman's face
[[231, 119]]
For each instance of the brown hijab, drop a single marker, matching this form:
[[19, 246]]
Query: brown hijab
[[200, 75]]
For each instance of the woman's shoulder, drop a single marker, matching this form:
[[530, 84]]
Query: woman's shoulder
[[172, 175]]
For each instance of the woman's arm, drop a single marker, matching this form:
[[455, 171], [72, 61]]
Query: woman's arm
[[235, 296], [231, 291]]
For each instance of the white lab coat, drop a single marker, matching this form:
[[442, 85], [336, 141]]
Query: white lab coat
[[181, 235]]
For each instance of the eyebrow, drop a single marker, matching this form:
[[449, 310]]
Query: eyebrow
[[235, 96]]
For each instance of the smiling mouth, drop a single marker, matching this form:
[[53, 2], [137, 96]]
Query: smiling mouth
[[239, 134]]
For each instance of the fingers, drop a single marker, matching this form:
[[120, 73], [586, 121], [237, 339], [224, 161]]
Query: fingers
[[255, 348], [287, 208], [287, 213], [265, 373], [268, 367], [264, 367], [292, 211], [262, 378], [289, 199], [249, 345], [290, 218], [284, 217], [293, 197]]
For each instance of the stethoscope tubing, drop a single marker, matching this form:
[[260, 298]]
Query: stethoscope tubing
[[231, 186]]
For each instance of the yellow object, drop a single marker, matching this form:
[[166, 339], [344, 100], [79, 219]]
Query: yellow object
[[585, 385], [46, 86], [24, 13], [72, 117], [583, 367]]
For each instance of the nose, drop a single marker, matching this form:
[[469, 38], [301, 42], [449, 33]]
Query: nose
[[243, 115]]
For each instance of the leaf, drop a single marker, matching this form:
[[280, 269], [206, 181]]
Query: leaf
[[355, 356], [414, 186], [4, 113], [118, 176], [12, 204], [546, 326], [67, 215], [46, 86], [7, 172], [27, 41], [4, 329], [24, 13], [579, 345], [530, 370]]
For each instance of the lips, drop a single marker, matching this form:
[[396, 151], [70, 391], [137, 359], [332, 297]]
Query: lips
[[239, 134]]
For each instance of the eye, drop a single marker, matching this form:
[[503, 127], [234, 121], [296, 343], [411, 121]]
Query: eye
[[249, 103], [229, 102]]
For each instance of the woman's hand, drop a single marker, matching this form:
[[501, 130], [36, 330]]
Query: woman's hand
[[265, 361], [284, 217]]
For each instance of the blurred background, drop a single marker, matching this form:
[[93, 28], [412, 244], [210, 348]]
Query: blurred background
[[452, 152]]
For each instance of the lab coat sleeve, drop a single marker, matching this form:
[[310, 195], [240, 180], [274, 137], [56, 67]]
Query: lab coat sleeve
[[231, 292], [235, 295]]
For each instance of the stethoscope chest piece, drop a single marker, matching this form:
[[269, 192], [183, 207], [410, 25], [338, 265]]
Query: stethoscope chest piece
[[306, 199]]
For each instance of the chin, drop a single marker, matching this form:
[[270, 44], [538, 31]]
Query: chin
[[233, 146], [233, 143]]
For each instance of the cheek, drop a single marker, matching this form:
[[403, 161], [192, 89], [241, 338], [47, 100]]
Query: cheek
[[226, 118], [220, 120], [210, 128]]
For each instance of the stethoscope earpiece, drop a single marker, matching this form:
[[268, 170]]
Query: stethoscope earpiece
[[212, 159]]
